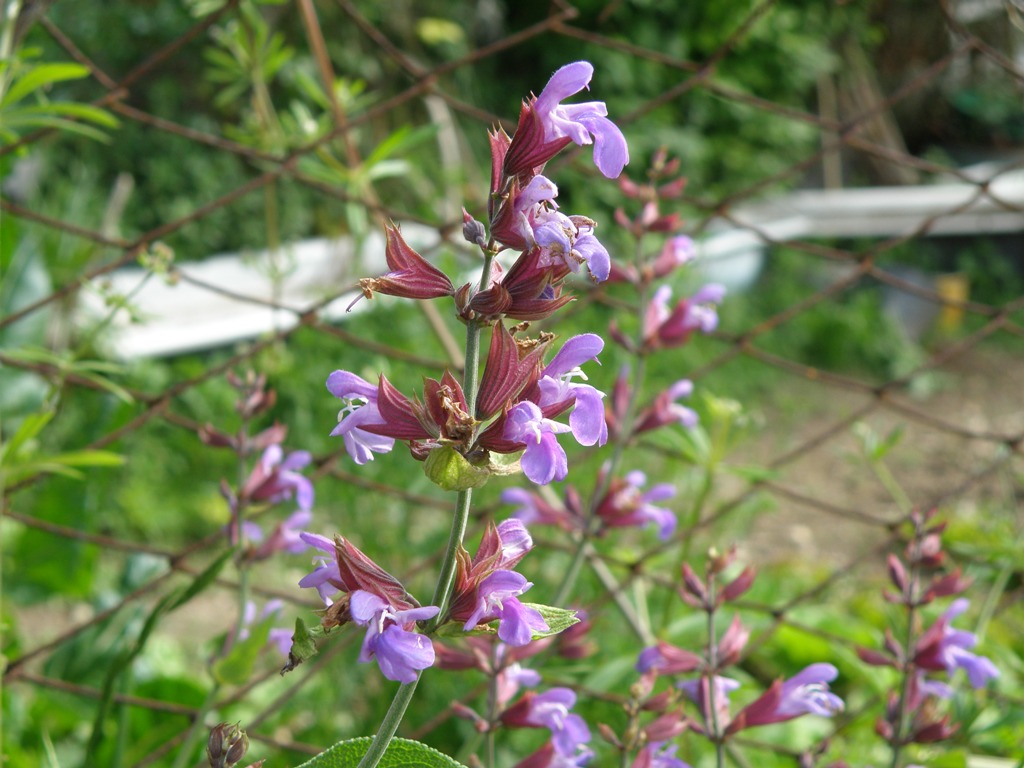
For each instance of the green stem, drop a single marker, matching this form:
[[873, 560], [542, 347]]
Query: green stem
[[238, 537], [446, 579], [389, 725], [716, 728], [580, 554]]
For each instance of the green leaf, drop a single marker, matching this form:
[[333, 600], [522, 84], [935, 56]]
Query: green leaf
[[88, 459], [449, 469], [40, 76], [30, 427], [303, 643], [72, 110], [236, 668], [557, 619], [401, 753]]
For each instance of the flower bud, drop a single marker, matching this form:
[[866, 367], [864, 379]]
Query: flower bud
[[227, 745], [473, 230]]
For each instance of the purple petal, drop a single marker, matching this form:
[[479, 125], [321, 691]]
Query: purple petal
[[587, 418], [364, 606], [571, 736], [515, 539], [296, 460], [545, 461], [318, 541], [567, 81], [574, 353], [660, 492], [345, 385], [518, 622], [281, 638], [417, 614], [400, 654], [611, 153]]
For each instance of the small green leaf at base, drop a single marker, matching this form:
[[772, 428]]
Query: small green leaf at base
[[303, 644], [557, 619], [449, 469], [401, 753]]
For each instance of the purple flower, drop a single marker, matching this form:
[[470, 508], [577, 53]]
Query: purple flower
[[551, 710], [626, 506], [557, 386], [806, 693], [564, 240], [515, 542], [275, 478], [580, 122], [531, 508], [659, 754], [544, 459], [511, 678], [327, 567], [359, 409], [497, 597], [286, 536], [668, 659], [400, 653], [665, 410], [665, 327], [943, 647], [698, 691]]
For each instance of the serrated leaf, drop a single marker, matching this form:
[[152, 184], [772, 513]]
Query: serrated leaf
[[557, 619], [401, 753]]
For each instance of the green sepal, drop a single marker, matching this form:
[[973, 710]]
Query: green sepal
[[401, 753], [449, 469]]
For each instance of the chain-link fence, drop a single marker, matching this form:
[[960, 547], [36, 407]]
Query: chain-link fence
[[863, 199]]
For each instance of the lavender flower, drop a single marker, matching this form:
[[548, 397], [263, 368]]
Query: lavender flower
[[286, 536], [551, 710], [626, 506], [400, 653], [564, 240], [943, 647], [359, 409], [665, 410], [544, 459], [497, 597], [275, 478], [557, 386], [665, 327], [806, 693], [659, 754], [326, 570], [580, 122]]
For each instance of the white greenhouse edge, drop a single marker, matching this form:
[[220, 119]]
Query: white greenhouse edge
[[186, 317]]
